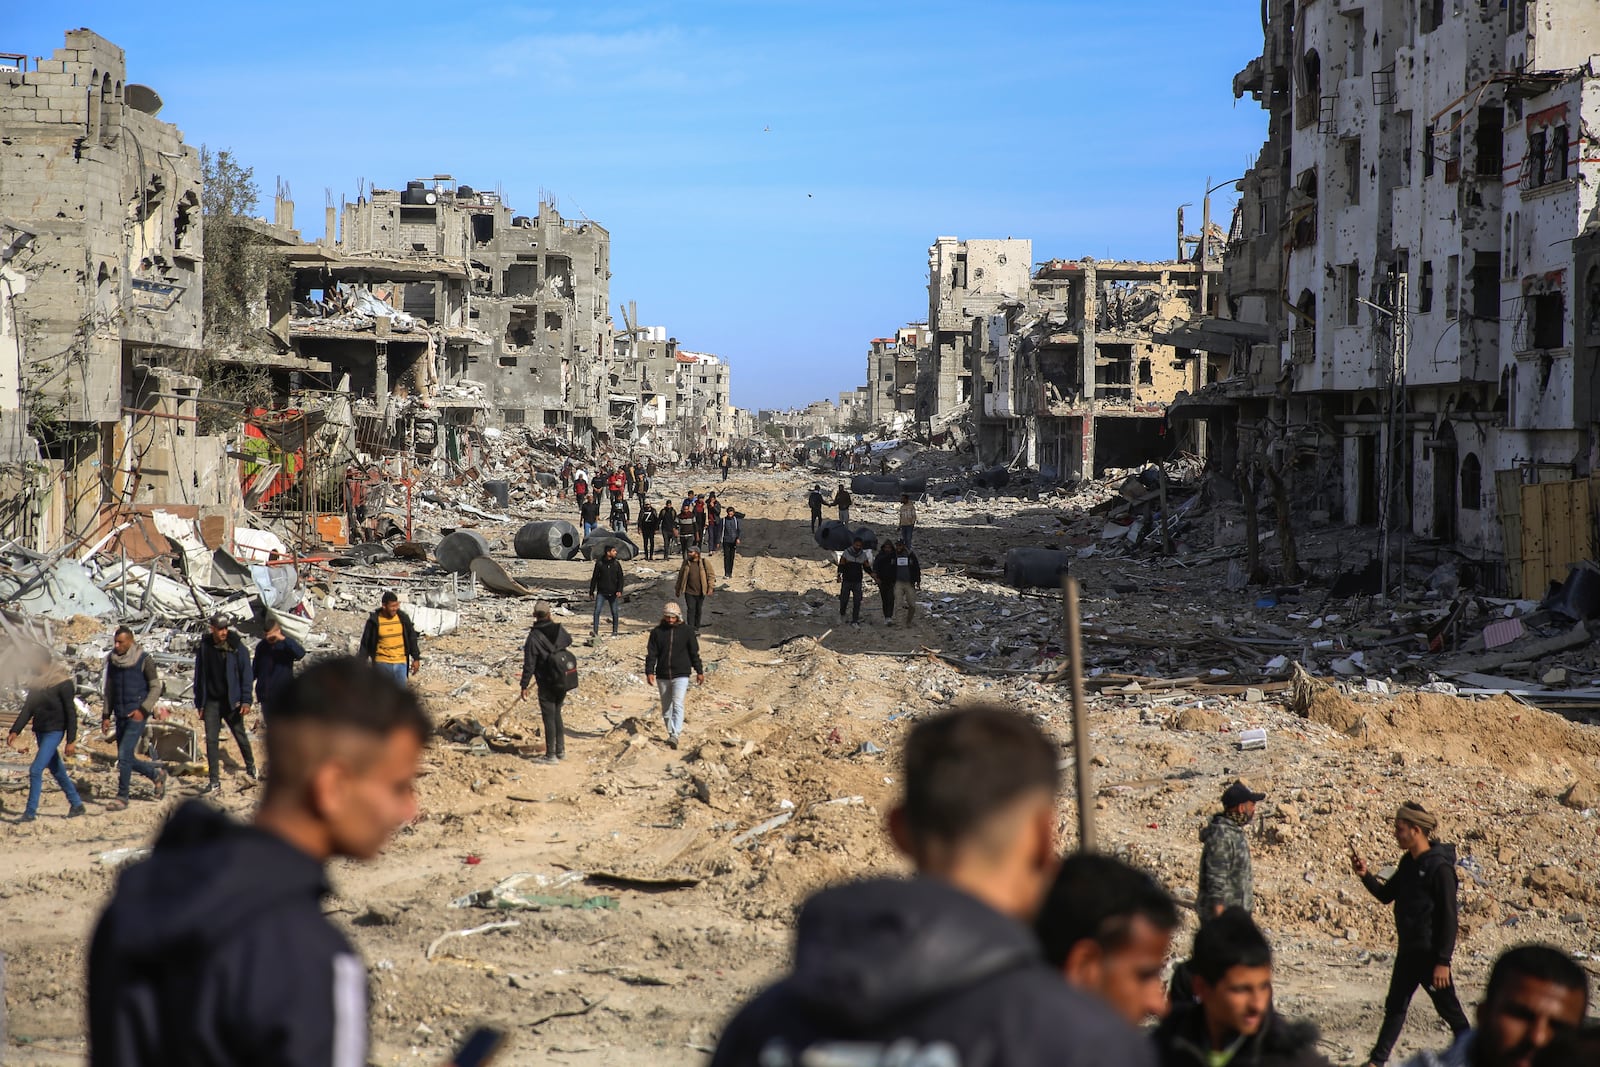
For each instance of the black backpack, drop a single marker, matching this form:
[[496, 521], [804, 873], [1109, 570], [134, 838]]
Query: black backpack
[[559, 671]]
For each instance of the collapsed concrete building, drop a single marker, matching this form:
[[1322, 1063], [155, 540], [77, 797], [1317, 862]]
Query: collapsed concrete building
[[1406, 298], [100, 301], [892, 376], [1058, 368]]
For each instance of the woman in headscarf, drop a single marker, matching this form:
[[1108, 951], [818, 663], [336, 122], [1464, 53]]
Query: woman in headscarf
[[53, 713]]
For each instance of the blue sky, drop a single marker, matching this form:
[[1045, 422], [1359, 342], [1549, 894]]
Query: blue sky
[[772, 173]]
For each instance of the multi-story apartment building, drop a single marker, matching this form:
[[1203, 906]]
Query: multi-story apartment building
[[1400, 282], [966, 280], [892, 376]]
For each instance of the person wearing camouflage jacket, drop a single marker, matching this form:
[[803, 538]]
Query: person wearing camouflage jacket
[[1225, 877]]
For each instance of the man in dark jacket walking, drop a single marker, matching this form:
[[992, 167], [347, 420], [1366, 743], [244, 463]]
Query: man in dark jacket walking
[[132, 687], [1234, 1022], [389, 640], [273, 665], [696, 581], [1423, 892], [671, 655], [222, 695], [941, 968], [605, 585], [732, 537], [649, 523], [50, 708], [215, 949], [814, 501], [854, 564], [589, 514], [540, 667]]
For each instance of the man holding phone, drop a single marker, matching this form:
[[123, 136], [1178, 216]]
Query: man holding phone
[[1423, 892]]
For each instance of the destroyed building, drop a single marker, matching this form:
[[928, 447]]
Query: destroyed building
[[892, 376], [523, 299], [100, 224], [1403, 272], [1060, 368]]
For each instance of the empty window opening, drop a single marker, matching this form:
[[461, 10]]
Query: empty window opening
[[1146, 372], [508, 361], [482, 229], [1352, 169], [552, 322], [1490, 141], [1350, 292], [521, 279], [1425, 288], [1556, 169], [1549, 314], [1452, 283], [1356, 34], [1537, 165], [513, 416], [1427, 151], [1485, 286], [1471, 482]]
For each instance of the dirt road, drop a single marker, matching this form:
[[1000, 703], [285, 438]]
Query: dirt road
[[685, 911]]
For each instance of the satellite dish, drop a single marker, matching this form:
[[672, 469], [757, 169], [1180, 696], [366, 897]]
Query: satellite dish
[[431, 198]]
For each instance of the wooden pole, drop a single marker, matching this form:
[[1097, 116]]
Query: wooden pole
[[1080, 716], [1166, 519]]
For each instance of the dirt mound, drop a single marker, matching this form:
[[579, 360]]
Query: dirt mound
[[1524, 743]]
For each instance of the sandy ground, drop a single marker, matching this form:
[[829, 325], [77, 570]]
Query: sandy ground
[[647, 973]]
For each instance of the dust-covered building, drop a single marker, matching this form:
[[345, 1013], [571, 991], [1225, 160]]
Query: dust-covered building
[[100, 223]]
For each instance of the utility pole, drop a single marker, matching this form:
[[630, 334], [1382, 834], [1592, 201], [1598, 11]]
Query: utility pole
[[1395, 424]]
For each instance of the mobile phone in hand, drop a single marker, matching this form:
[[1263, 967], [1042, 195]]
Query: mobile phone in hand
[[479, 1048]]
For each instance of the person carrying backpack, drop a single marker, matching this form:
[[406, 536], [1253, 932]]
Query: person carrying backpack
[[548, 663]]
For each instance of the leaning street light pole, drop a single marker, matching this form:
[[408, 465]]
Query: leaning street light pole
[[1202, 360]]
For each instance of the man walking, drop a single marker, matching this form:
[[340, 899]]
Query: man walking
[[132, 687], [389, 640], [908, 519], [671, 655], [222, 695], [883, 571], [1225, 877], [589, 513], [713, 522], [732, 533], [814, 501], [695, 583], [619, 515], [842, 500], [215, 949], [649, 523], [854, 563], [605, 585], [273, 665], [907, 579], [1423, 892], [698, 510], [942, 968], [1536, 996], [542, 665], [52, 711], [686, 529]]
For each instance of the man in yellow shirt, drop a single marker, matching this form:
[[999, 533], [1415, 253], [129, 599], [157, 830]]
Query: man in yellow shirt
[[390, 640]]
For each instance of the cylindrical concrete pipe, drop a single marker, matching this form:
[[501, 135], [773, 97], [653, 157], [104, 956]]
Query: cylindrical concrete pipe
[[834, 536], [457, 551], [557, 539], [993, 478], [1036, 568], [599, 541], [888, 485], [867, 536]]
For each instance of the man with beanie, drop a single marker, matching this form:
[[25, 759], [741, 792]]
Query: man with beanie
[[1225, 876], [672, 654], [540, 664], [133, 685], [1423, 892], [222, 681]]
